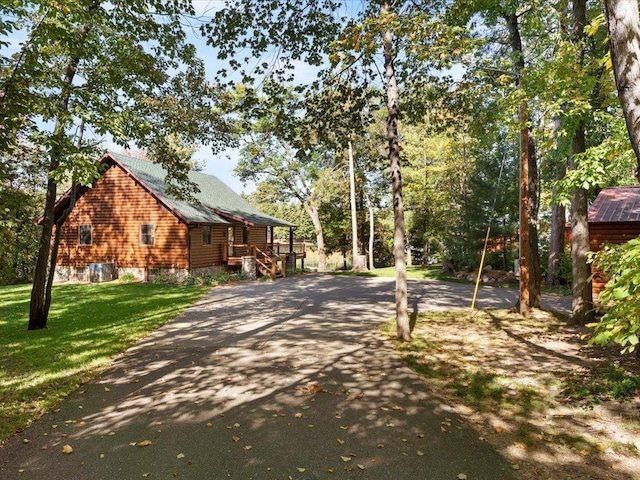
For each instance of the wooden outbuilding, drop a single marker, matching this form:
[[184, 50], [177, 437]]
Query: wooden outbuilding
[[126, 222], [614, 217]]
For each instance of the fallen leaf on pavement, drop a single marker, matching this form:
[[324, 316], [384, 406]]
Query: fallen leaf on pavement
[[340, 441], [180, 455], [67, 449], [361, 467], [143, 443], [461, 476], [345, 459], [301, 470]]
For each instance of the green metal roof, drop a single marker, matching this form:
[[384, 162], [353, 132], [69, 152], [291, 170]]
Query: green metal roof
[[218, 202]]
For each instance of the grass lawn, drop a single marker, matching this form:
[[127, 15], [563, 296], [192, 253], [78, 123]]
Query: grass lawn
[[88, 325], [412, 272], [433, 272]]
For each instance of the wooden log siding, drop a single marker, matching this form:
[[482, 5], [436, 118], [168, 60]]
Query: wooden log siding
[[258, 236], [115, 207], [616, 233], [601, 233], [203, 256]]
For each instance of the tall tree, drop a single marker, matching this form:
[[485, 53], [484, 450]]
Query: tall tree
[[582, 304], [402, 312], [301, 174], [304, 30], [103, 65], [623, 22]]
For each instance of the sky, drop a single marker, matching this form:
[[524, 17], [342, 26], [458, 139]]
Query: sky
[[222, 164]]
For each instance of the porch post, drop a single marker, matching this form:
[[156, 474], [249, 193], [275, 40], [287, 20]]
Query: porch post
[[290, 239]]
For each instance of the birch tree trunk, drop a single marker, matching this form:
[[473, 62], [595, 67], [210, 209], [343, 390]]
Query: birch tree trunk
[[312, 211], [624, 43], [402, 311], [358, 263]]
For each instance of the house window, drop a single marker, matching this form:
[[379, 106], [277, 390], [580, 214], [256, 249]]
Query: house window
[[147, 234], [206, 235], [84, 234]]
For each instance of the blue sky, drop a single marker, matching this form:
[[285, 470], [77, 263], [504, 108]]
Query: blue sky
[[222, 164]]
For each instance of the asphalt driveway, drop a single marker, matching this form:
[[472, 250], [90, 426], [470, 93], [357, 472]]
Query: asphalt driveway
[[267, 381]]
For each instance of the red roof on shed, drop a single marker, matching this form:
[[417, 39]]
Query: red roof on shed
[[616, 204]]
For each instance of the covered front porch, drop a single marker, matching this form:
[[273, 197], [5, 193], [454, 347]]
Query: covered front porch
[[271, 260]]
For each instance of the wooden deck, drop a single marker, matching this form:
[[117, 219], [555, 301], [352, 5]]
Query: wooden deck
[[271, 259]]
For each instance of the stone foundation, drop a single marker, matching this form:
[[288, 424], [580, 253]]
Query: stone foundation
[[81, 274]]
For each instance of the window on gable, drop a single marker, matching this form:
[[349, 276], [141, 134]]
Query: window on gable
[[147, 234], [206, 235], [84, 235]]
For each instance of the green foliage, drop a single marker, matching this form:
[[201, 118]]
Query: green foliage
[[620, 323], [127, 278], [20, 207], [601, 384], [89, 325], [118, 68]]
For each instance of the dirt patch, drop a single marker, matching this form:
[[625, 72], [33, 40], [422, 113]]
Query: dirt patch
[[554, 406]]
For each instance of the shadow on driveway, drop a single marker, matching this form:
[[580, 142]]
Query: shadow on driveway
[[265, 381]]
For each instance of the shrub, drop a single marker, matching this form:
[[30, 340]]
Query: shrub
[[165, 278], [621, 296], [192, 280], [127, 277]]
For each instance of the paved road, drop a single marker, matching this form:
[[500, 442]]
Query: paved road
[[266, 381]]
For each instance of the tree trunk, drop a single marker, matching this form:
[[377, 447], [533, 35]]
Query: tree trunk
[[582, 301], [317, 225], [624, 43], [558, 227], [402, 311], [43, 276], [556, 240], [529, 256], [535, 275], [38, 311], [356, 264], [371, 236]]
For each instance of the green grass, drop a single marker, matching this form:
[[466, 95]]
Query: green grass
[[433, 271], [412, 272], [88, 325], [602, 382]]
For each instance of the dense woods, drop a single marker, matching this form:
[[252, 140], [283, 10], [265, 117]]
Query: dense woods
[[463, 115]]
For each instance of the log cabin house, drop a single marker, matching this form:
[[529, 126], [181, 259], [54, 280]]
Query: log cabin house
[[127, 223], [614, 217]]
